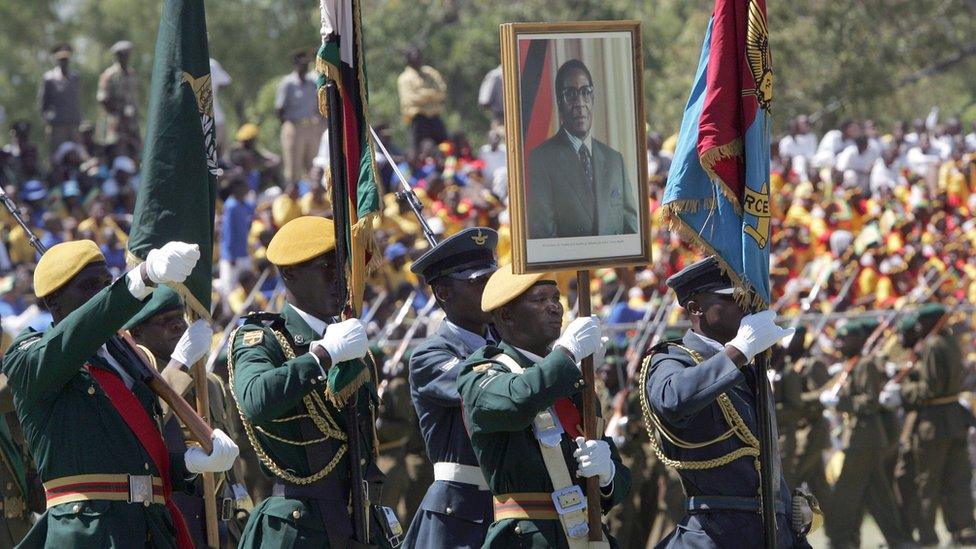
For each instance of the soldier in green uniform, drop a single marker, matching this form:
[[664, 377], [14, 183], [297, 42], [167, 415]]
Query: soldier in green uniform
[[937, 425], [862, 481], [521, 401], [162, 333], [89, 418], [307, 397]]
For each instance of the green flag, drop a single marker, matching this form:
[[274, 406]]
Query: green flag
[[177, 193]]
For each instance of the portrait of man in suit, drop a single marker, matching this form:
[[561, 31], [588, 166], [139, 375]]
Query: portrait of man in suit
[[577, 185]]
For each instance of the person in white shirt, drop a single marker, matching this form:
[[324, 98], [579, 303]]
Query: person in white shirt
[[855, 162], [834, 142], [924, 160], [799, 147], [886, 173], [971, 139], [493, 154]]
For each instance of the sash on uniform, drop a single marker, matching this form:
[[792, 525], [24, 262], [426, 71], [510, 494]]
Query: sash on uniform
[[135, 416]]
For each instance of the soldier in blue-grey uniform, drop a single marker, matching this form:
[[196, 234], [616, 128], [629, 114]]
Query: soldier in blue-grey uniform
[[457, 509], [702, 417]]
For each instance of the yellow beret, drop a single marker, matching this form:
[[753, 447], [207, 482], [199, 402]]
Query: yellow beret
[[301, 239], [247, 132], [503, 287], [61, 263]]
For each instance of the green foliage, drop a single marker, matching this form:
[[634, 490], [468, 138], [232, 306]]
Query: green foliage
[[886, 60]]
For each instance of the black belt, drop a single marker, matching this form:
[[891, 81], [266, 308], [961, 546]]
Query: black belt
[[326, 489], [704, 504]]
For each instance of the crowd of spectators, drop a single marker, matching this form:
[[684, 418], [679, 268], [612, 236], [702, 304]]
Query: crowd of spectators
[[891, 207]]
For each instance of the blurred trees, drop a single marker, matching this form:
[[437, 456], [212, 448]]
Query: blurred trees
[[886, 60]]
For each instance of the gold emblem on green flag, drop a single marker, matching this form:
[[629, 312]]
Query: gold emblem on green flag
[[203, 93]]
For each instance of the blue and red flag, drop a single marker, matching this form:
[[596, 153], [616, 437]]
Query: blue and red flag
[[717, 194]]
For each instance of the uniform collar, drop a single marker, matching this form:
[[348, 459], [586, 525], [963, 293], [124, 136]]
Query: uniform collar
[[525, 358], [302, 326], [469, 339], [703, 344]]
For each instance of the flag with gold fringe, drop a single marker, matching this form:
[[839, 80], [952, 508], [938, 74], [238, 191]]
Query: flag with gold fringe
[[717, 194], [341, 59], [178, 190]]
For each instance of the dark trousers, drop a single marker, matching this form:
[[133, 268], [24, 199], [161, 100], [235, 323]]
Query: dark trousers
[[943, 476], [862, 483], [426, 127]]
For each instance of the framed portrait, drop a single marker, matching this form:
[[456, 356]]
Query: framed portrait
[[577, 154]]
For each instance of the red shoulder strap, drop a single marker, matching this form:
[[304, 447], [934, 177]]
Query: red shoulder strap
[[135, 416]]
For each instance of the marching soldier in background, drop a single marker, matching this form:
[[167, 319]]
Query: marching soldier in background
[[90, 419], [937, 426], [294, 376], [812, 429], [700, 398], [521, 400], [401, 448], [20, 493], [456, 511], [862, 481], [163, 335]]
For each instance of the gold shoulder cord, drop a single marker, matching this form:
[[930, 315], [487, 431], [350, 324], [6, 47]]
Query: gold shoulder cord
[[737, 427], [317, 412]]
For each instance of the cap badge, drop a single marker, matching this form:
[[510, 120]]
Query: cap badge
[[479, 238]]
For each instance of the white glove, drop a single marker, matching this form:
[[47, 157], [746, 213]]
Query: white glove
[[221, 459], [172, 263], [582, 338], [890, 397], [594, 459], [344, 341], [829, 399], [193, 344], [758, 332]]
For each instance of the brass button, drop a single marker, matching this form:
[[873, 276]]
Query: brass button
[[76, 508], [10, 486], [362, 461], [91, 390], [518, 529], [449, 510], [296, 514], [147, 466], [146, 503]]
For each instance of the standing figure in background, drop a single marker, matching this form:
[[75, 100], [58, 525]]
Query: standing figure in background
[[297, 106], [61, 100], [422, 96], [118, 88]]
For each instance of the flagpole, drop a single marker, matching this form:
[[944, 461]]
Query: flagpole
[[359, 497], [593, 510], [768, 485]]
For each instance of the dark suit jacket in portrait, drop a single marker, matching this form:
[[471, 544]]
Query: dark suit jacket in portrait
[[560, 201]]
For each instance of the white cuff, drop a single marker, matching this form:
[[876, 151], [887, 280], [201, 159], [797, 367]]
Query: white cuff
[[137, 286]]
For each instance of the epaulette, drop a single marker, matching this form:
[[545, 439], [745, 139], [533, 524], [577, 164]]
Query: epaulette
[[662, 346], [265, 319]]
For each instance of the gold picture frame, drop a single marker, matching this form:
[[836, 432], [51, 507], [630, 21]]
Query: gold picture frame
[[570, 208]]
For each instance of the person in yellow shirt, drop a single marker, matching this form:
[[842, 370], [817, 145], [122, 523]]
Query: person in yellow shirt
[[316, 201], [285, 207], [237, 299], [423, 94], [98, 221]]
